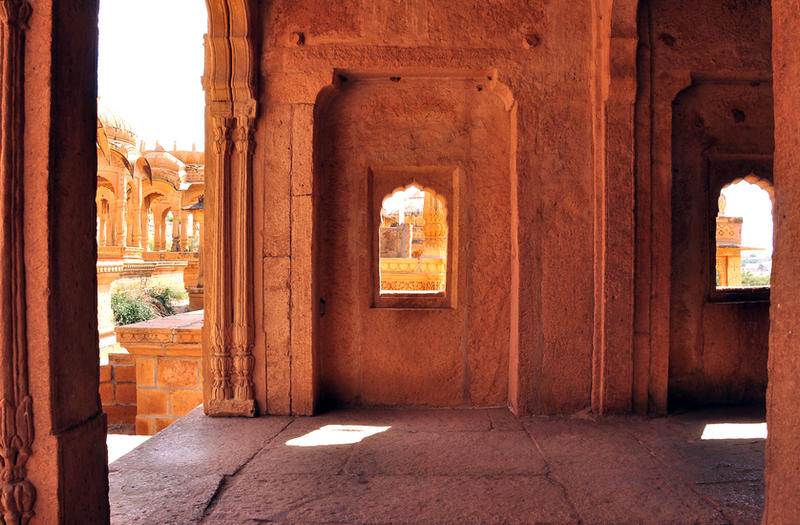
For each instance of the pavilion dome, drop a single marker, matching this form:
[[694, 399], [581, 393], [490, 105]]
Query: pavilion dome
[[164, 160], [116, 127]]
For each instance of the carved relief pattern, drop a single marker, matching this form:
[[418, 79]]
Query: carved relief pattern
[[243, 323], [729, 232], [17, 494], [230, 85], [220, 353], [414, 286]]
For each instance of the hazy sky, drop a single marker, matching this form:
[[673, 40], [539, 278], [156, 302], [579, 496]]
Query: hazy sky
[[754, 205], [151, 61]]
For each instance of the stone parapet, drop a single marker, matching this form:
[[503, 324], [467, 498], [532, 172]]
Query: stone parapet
[[170, 256], [167, 354]]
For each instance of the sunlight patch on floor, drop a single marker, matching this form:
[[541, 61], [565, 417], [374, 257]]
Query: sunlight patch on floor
[[735, 431], [120, 444], [336, 435]]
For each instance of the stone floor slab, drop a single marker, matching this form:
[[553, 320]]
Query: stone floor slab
[[438, 466], [393, 499], [172, 477], [612, 476]]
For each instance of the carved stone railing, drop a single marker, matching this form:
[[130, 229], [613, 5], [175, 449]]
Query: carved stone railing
[[416, 275]]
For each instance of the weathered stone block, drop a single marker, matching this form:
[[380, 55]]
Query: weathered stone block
[[125, 373], [178, 372], [107, 393], [183, 401], [126, 393], [120, 415], [302, 148], [151, 401], [163, 422], [105, 373], [144, 426], [121, 359], [277, 324], [146, 371], [183, 350], [138, 350]]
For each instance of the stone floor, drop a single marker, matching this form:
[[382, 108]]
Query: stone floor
[[441, 466]]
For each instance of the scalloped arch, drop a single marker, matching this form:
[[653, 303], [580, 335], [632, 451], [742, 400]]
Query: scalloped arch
[[752, 178], [422, 188]]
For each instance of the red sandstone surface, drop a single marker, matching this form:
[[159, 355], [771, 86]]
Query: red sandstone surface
[[441, 466], [577, 283]]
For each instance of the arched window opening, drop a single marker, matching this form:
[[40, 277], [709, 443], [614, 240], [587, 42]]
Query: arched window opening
[[413, 242], [744, 235]]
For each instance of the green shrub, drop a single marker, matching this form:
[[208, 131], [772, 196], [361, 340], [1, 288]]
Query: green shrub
[[129, 308], [163, 298], [748, 279]]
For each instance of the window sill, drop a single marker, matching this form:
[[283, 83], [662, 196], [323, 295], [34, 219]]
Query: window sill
[[755, 294]]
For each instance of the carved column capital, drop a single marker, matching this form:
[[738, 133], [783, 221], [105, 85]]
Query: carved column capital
[[244, 139], [222, 134], [15, 12]]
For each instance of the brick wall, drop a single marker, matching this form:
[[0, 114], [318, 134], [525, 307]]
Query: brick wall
[[167, 355], [118, 389]]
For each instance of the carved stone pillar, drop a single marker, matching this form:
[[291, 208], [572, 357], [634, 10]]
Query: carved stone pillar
[[158, 233], [109, 230], [162, 235], [143, 228], [120, 228], [182, 241], [243, 331], [17, 494], [198, 220], [220, 361], [101, 224], [101, 231], [136, 224], [175, 245], [231, 103]]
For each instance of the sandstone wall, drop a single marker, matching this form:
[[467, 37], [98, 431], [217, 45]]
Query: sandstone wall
[[685, 343], [718, 348], [543, 192]]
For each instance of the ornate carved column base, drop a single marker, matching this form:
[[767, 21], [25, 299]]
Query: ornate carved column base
[[231, 407]]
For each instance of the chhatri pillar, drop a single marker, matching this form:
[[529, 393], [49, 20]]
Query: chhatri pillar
[[184, 231], [136, 224], [193, 274], [120, 226], [143, 223], [156, 233]]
